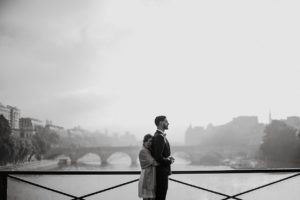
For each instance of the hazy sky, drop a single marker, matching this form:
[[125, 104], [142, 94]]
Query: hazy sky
[[117, 64]]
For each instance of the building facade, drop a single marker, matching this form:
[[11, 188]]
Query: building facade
[[29, 126], [57, 129], [293, 121], [4, 111], [12, 114], [14, 117]]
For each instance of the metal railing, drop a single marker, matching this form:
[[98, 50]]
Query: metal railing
[[5, 175]]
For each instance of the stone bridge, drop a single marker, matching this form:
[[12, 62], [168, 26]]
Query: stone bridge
[[193, 153]]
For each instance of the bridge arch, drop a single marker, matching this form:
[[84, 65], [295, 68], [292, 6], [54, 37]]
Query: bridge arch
[[121, 157], [90, 157]]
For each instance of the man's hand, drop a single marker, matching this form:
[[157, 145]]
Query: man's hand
[[172, 159]]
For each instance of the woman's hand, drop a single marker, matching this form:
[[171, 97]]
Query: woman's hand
[[155, 163]]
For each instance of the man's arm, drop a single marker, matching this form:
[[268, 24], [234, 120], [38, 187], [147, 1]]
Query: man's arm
[[158, 147]]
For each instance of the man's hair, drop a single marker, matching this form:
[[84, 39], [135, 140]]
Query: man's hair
[[147, 137], [159, 119]]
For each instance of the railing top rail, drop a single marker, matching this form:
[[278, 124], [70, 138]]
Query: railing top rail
[[136, 172]]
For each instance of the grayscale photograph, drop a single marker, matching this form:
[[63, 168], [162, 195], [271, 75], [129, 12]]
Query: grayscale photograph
[[149, 99]]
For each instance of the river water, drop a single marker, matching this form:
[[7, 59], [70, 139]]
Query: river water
[[80, 185]]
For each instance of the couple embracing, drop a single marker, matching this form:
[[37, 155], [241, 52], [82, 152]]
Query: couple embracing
[[155, 160]]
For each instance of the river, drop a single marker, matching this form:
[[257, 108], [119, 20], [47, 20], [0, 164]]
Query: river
[[79, 185]]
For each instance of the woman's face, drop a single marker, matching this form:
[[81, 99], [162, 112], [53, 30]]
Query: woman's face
[[148, 143]]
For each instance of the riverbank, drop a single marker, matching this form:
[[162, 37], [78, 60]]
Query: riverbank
[[44, 165]]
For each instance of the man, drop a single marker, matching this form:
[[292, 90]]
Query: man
[[161, 153]]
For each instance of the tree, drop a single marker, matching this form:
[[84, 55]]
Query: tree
[[22, 149], [5, 130], [42, 141], [280, 143], [5, 142]]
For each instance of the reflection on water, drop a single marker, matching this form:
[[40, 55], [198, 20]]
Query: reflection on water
[[79, 185]]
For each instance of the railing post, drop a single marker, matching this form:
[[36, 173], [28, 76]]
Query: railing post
[[3, 185]]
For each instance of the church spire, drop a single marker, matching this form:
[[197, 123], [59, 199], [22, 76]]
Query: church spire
[[270, 117]]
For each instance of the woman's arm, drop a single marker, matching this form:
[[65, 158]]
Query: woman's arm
[[146, 159]]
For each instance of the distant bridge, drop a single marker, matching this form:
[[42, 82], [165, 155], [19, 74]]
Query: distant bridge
[[194, 153]]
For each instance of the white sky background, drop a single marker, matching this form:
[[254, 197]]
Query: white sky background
[[117, 64]]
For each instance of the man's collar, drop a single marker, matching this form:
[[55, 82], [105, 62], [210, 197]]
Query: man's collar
[[162, 133]]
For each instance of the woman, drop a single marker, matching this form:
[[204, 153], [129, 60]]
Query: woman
[[147, 179]]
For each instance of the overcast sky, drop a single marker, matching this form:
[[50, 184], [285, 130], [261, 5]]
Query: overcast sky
[[117, 64]]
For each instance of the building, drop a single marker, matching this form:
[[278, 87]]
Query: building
[[193, 135], [4, 111], [57, 129], [51, 126], [245, 121], [78, 131], [12, 114], [29, 126], [14, 117], [293, 121]]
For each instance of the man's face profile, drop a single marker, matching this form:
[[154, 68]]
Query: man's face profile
[[165, 124]]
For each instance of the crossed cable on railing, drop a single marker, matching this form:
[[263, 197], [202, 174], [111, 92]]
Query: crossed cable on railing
[[171, 179]]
